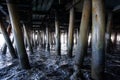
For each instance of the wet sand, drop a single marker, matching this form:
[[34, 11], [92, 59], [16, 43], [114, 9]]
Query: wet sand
[[48, 66]]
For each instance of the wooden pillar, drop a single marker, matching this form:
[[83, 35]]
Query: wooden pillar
[[18, 36], [57, 30], [31, 37], [4, 49], [108, 33], [67, 38], [70, 34], [53, 39], [50, 39], [43, 39], [7, 40], [28, 39], [98, 39], [39, 38], [37, 41], [83, 38], [25, 41], [34, 38], [75, 34], [47, 39], [64, 37], [4, 45], [115, 40]]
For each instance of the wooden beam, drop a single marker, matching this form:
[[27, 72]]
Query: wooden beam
[[98, 39], [7, 40], [47, 39], [28, 39], [108, 32], [57, 31], [70, 34], [73, 4], [116, 8], [83, 39], [18, 36]]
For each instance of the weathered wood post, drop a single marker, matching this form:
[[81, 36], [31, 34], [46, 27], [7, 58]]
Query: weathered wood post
[[64, 37], [43, 39], [18, 36], [57, 31], [47, 39], [25, 41], [70, 34], [4, 45], [39, 38], [67, 38], [108, 33], [75, 37], [30, 33], [34, 41], [82, 43], [77, 34], [53, 39], [7, 40], [115, 40], [50, 39], [4, 49], [98, 39], [28, 39]]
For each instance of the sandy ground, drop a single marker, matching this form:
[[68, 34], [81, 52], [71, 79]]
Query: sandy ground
[[48, 66]]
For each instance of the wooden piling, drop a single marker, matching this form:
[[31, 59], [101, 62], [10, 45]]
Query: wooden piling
[[47, 39], [108, 33], [7, 40], [4, 50], [18, 36], [82, 43], [57, 31], [39, 38], [43, 39], [115, 40], [98, 39], [28, 39], [70, 34], [83, 35]]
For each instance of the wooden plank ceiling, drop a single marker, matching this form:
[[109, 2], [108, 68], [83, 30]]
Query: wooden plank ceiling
[[37, 13]]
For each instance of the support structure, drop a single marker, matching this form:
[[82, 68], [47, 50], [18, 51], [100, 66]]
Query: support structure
[[34, 39], [47, 39], [18, 36], [83, 38], [4, 49], [70, 34], [4, 45], [28, 39], [98, 39], [43, 39], [57, 30], [50, 39], [7, 40], [115, 40], [39, 38], [108, 33]]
